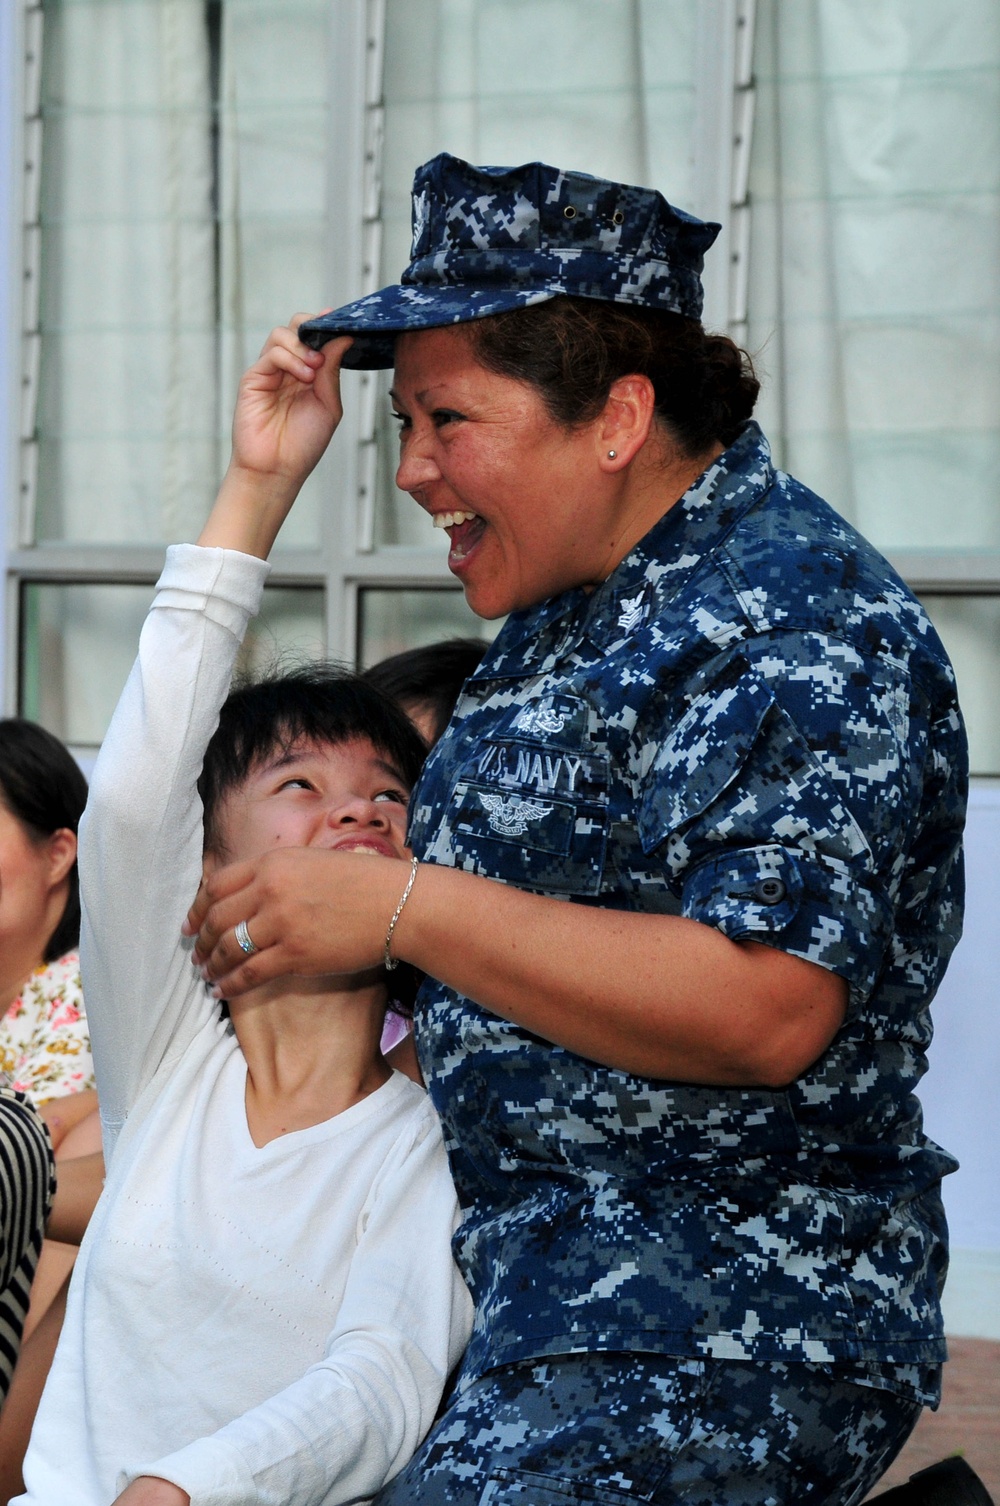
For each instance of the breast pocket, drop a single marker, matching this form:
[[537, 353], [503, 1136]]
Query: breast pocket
[[534, 814]]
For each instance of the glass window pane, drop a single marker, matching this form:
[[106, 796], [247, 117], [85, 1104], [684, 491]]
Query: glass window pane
[[79, 641], [291, 629], [77, 647], [391, 621], [970, 630]]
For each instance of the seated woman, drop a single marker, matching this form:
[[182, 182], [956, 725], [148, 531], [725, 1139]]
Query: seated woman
[[265, 1305], [44, 1045]]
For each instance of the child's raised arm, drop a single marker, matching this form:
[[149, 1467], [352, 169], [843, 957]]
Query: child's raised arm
[[287, 410], [141, 837]]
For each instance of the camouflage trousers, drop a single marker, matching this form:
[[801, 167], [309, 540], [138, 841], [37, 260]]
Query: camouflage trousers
[[615, 1430]]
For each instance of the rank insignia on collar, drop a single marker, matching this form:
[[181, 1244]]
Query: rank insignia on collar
[[510, 816], [631, 612]]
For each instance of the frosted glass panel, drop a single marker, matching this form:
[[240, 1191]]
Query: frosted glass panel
[[601, 86], [273, 164], [127, 418], [78, 646], [391, 621], [184, 214], [80, 640], [970, 630], [875, 261]]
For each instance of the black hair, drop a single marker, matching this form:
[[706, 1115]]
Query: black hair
[[42, 786], [320, 703], [571, 350], [429, 678]]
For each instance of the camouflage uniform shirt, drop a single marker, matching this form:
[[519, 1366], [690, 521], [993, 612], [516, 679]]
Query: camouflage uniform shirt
[[753, 724]]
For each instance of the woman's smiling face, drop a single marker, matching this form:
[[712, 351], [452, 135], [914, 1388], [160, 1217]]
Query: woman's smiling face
[[519, 495]]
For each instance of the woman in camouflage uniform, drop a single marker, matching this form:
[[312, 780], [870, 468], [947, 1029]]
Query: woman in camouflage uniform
[[702, 1223]]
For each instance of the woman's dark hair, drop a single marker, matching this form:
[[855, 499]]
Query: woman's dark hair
[[572, 350], [316, 703], [42, 786], [429, 678]]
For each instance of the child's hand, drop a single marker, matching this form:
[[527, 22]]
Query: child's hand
[[288, 405], [150, 1490], [286, 412]]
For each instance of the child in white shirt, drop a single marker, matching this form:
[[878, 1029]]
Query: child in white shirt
[[265, 1307]]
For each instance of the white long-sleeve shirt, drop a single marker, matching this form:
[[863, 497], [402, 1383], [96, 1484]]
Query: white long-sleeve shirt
[[257, 1324]]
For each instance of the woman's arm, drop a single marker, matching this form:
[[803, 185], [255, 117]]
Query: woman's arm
[[657, 995], [79, 1183], [62, 1115]]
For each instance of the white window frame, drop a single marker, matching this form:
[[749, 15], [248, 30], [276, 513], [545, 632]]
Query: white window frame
[[348, 561]]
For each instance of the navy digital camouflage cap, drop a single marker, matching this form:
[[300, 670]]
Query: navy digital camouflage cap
[[490, 239]]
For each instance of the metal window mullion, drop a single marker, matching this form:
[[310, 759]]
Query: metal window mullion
[[392, 569], [371, 257], [401, 567], [31, 338], [965, 572], [356, 35], [949, 572], [109, 564], [724, 113]]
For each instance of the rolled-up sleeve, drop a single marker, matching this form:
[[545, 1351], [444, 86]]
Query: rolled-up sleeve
[[780, 800]]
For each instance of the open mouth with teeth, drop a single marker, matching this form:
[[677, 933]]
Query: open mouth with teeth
[[465, 529], [378, 847]]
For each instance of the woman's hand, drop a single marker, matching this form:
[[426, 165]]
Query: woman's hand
[[150, 1490], [308, 911], [287, 410]]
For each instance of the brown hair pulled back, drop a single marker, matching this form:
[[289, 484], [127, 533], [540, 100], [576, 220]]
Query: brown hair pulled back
[[571, 350]]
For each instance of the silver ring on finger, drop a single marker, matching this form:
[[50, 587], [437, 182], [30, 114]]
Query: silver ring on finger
[[243, 938]]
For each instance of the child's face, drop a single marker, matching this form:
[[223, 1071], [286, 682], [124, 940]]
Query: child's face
[[346, 797]]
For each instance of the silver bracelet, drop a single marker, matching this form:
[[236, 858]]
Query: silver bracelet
[[388, 961]]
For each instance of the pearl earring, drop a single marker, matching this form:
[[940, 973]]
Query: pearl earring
[[612, 454]]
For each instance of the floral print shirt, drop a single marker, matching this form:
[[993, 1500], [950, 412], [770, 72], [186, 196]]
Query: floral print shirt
[[44, 1040]]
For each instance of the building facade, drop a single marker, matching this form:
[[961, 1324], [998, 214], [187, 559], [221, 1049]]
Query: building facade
[[177, 176]]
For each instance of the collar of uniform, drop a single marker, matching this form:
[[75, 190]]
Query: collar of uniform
[[654, 571], [664, 560], [536, 637]]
